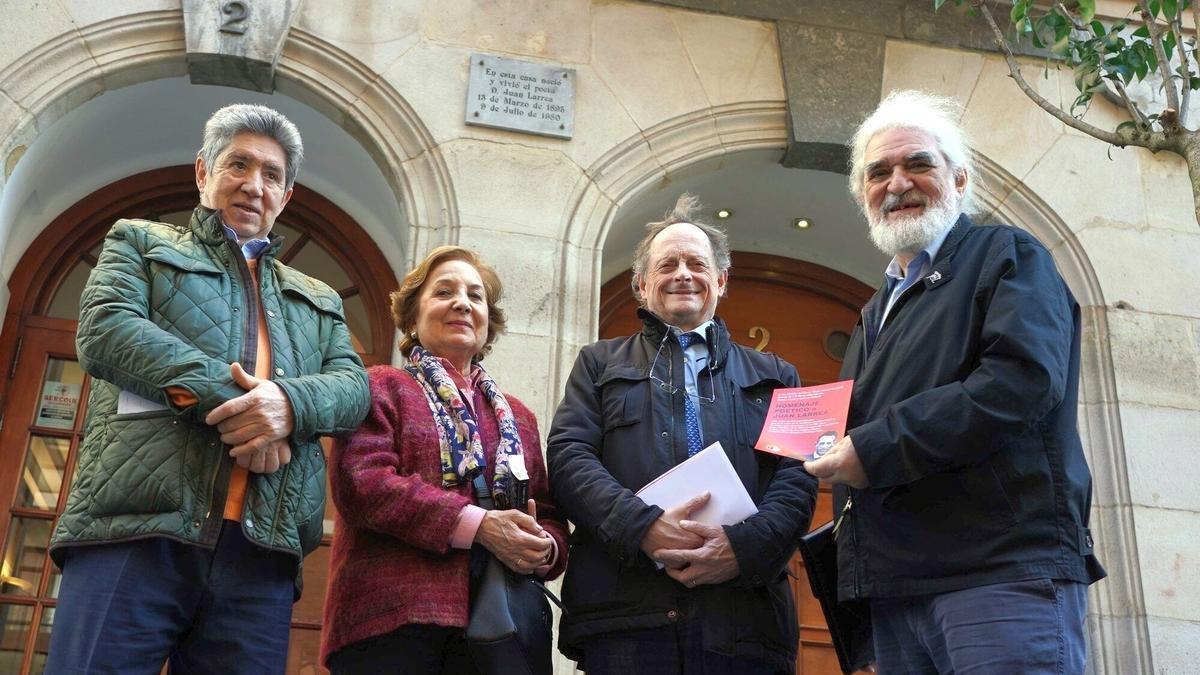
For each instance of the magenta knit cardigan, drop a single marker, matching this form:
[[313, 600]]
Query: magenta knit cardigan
[[391, 562]]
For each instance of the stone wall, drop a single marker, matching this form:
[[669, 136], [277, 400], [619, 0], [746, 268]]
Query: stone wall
[[660, 88]]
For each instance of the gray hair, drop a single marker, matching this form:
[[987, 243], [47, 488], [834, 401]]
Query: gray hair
[[936, 116], [255, 119], [686, 210]]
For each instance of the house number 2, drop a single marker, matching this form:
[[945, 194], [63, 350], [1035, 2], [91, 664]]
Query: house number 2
[[235, 13], [766, 337]]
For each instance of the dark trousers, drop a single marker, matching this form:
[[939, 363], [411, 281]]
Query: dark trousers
[[128, 607], [677, 649], [1031, 626], [411, 650]]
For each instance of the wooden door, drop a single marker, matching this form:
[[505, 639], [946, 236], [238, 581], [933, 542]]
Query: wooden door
[[804, 313], [45, 422], [43, 390]]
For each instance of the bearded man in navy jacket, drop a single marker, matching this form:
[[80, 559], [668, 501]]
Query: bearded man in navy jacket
[[961, 484]]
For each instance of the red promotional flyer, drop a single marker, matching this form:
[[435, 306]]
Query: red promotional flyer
[[805, 422]]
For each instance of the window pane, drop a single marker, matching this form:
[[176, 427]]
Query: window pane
[[359, 323], [65, 304], [61, 388], [41, 644], [14, 628], [316, 575], [316, 262], [42, 477], [304, 652], [24, 555]]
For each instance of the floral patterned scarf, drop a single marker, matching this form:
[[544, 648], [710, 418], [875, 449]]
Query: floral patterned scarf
[[458, 432]]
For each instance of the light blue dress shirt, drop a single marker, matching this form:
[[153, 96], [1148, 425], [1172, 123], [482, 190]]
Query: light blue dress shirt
[[898, 281], [252, 248]]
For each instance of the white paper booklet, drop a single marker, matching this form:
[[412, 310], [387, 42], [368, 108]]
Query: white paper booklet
[[707, 470]]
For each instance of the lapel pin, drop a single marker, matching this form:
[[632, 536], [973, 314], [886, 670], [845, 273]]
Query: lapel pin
[[934, 278]]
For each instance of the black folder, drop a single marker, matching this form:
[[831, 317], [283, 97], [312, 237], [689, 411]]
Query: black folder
[[849, 622]]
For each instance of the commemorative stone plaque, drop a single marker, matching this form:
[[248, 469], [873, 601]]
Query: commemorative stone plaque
[[521, 96]]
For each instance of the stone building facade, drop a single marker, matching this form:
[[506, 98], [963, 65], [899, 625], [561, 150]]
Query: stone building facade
[[756, 94]]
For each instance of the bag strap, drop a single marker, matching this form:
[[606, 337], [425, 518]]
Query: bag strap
[[482, 493]]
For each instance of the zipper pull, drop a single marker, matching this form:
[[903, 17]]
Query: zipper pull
[[842, 515]]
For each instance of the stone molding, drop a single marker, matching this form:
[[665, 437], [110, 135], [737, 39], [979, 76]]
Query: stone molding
[[236, 43], [75, 67]]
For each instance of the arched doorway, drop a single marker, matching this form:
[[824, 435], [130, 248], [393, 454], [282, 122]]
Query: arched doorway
[[43, 400], [804, 313]]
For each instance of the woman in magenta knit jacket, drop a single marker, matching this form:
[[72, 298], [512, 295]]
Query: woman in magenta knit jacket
[[399, 575]]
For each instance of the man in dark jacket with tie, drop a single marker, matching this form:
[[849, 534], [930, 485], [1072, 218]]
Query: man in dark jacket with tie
[[961, 485], [648, 591]]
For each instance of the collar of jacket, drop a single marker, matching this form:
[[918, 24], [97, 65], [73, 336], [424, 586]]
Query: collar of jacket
[[206, 223], [655, 329]]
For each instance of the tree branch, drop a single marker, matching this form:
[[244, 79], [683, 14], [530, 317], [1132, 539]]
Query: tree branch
[[1185, 87], [1079, 25], [1164, 64], [1015, 71], [1136, 114]]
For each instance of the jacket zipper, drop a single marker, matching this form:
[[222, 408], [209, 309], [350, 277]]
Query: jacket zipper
[[248, 358], [853, 540]]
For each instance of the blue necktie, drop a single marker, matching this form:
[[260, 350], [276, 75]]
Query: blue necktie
[[689, 406]]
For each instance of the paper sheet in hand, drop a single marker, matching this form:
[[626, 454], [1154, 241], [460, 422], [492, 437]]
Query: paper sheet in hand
[[708, 470]]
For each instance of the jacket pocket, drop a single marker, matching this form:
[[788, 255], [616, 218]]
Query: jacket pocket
[[623, 397], [970, 504], [141, 467], [310, 515], [752, 400]]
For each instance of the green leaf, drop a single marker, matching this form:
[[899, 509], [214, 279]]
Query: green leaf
[[1087, 10], [1194, 82], [1062, 46], [1169, 44], [1170, 8], [1019, 11], [1143, 32], [1127, 124], [937, 4], [1155, 7], [1098, 29]]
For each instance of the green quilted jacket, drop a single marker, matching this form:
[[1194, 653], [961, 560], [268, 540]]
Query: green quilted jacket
[[173, 306]]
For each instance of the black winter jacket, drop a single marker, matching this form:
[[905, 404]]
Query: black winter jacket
[[617, 430], [964, 417]]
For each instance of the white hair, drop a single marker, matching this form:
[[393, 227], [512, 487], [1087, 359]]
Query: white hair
[[936, 116]]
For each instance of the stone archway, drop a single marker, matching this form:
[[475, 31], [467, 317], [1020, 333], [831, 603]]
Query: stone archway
[[70, 69], [1117, 630]]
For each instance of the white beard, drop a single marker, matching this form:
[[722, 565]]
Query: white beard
[[911, 234]]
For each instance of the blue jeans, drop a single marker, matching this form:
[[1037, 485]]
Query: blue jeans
[[1033, 626], [128, 607]]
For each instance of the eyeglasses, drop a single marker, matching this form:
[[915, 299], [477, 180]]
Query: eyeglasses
[[669, 388]]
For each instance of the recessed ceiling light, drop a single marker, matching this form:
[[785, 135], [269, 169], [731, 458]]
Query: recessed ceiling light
[[723, 213], [802, 223]]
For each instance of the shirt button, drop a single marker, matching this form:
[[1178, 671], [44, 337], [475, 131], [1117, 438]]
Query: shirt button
[[673, 615], [279, 372], [271, 314], [664, 434], [195, 524], [249, 524]]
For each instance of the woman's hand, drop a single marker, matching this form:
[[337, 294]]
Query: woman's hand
[[515, 539]]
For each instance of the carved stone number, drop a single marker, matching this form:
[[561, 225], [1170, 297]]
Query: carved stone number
[[766, 337], [235, 13]]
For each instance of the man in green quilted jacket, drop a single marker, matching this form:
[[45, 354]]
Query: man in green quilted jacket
[[200, 484]]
